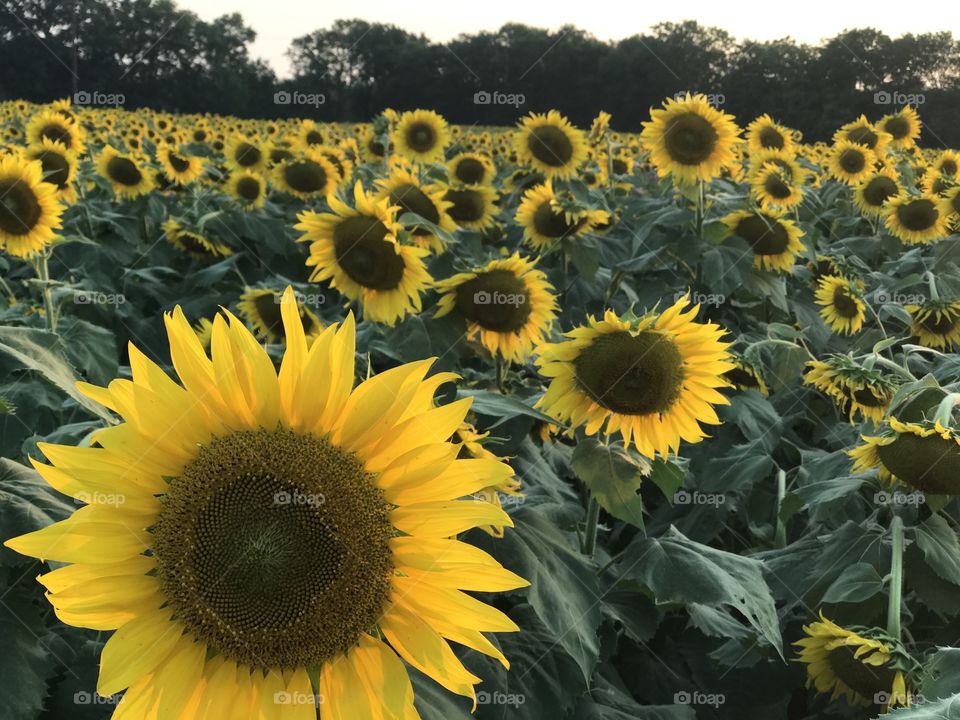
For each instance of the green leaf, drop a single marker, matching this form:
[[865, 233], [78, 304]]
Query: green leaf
[[941, 674], [614, 476], [668, 476], [858, 582], [938, 541], [501, 406], [677, 569], [945, 709], [27, 503]]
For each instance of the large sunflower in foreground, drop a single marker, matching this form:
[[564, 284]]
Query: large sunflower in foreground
[[508, 303], [29, 210], [653, 379], [356, 249], [936, 323], [690, 139], [550, 144], [125, 173], [773, 238], [841, 304], [284, 540], [853, 664], [925, 455], [421, 136], [916, 219]]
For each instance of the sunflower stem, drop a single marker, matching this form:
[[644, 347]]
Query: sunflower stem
[[932, 286], [700, 209], [589, 544], [780, 537], [944, 414], [501, 373], [41, 265], [891, 365], [896, 578]]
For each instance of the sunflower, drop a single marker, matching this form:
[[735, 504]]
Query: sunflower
[[507, 303], [248, 187], [903, 127], [746, 375], [371, 147], [948, 162], [950, 206], [204, 330], [774, 239], [403, 189], [777, 188], [128, 178], [281, 534], [916, 219], [421, 136], [471, 446], [470, 168], [875, 189], [936, 323], [59, 167], [193, 243], [545, 221], [357, 250], [862, 132], [55, 126], [855, 663], [690, 139], [550, 144], [309, 135], [180, 168], [765, 133], [243, 153], [29, 209], [306, 175], [855, 389], [472, 207], [652, 378], [925, 455], [841, 305], [851, 162], [262, 308]]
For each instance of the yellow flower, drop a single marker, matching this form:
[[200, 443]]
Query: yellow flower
[[841, 304], [29, 210]]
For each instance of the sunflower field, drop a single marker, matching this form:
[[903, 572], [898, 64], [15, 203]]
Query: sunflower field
[[403, 420]]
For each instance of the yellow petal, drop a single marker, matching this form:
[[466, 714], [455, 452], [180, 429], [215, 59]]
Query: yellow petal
[[136, 649]]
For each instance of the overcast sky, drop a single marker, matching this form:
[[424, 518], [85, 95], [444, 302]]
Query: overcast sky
[[277, 22]]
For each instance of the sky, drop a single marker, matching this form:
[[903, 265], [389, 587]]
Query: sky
[[277, 22]]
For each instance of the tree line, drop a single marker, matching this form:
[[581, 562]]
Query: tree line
[[151, 53]]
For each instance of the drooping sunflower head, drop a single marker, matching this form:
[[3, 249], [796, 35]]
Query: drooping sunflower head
[[936, 323], [507, 303], [308, 174], [765, 133], [855, 388], [915, 219], [473, 207], [246, 153], [279, 532], [875, 189], [29, 209], [653, 379], [746, 374], [126, 173], [59, 167], [357, 250], [859, 664], [550, 144], [55, 126], [545, 220], [421, 136], [773, 238], [841, 304], [194, 243], [263, 309], [248, 187], [179, 167], [864, 133], [471, 168], [404, 190], [851, 162], [689, 139]]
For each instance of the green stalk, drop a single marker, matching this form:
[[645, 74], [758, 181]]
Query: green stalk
[[589, 544], [932, 285], [896, 578], [41, 265], [502, 369], [780, 537], [944, 414]]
